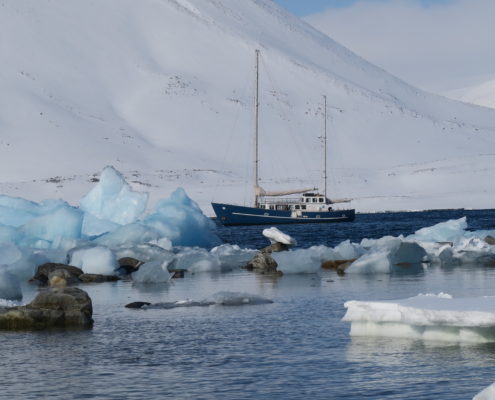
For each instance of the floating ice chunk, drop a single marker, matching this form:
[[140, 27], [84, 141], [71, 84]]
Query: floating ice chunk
[[301, 261], [449, 231], [94, 260], [486, 394], [135, 233], [64, 221], [374, 262], [232, 256], [10, 286], [196, 260], [349, 251], [113, 199], [220, 298], [277, 236], [237, 299], [153, 271], [142, 252], [181, 220], [389, 257], [325, 253], [428, 317]]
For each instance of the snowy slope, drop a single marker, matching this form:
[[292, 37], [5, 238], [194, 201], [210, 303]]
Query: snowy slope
[[482, 94], [162, 90]]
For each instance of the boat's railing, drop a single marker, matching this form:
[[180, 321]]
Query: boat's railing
[[280, 200]]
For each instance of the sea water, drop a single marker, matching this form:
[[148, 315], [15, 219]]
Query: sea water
[[294, 348]]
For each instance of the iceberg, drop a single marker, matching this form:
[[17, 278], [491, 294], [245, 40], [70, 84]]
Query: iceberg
[[427, 316], [180, 219], [153, 271], [113, 199], [10, 286]]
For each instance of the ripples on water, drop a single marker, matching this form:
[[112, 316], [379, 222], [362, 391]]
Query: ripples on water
[[294, 348]]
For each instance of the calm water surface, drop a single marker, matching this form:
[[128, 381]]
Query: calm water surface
[[295, 348]]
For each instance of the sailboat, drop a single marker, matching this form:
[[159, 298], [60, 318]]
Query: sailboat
[[274, 207]]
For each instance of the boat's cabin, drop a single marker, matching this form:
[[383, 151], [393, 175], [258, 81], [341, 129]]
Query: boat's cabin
[[307, 202]]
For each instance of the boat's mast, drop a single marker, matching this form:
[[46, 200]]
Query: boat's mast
[[256, 108], [325, 148]]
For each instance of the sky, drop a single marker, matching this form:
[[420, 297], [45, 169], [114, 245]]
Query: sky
[[437, 45]]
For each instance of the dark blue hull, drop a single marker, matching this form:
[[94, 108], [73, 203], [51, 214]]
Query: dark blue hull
[[229, 214]]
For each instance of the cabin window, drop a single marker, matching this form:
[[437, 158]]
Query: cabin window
[[321, 199], [272, 208], [297, 207], [314, 200], [303, 207]]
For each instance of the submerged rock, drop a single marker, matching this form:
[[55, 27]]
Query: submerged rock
[[490, 240], [97, 278], [52, 308], [338, 265]]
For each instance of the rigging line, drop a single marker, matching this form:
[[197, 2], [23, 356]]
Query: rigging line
[[298, 144], [232, 132]]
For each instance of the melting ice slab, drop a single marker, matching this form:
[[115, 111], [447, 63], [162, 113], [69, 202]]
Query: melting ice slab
[[486, 394], [429, 317]]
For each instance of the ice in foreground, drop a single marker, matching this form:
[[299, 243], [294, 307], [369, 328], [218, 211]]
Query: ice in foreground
[[486, 394], [428, 317]]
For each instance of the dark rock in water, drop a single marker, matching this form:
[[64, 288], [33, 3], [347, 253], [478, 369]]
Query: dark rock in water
[[137, 304], [263, 263], [43, 271], [96, 278], [490, 240], [62, 278], [128, 265], [52, 308], [274, 248], [177, 273]]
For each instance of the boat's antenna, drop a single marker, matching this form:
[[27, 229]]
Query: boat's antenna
[[325, 148], [256, 107]]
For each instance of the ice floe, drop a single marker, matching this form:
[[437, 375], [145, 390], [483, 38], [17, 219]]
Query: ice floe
[[429, 317], [486, 394], [220, 299]]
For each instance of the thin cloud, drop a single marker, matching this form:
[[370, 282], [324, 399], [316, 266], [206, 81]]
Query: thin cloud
[[438, 48]]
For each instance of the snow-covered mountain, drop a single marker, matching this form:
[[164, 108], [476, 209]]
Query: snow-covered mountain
[[162, 90], [482, 94]]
